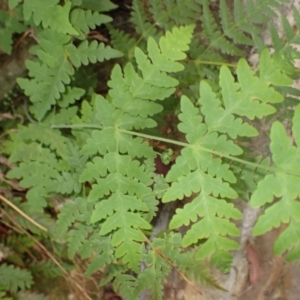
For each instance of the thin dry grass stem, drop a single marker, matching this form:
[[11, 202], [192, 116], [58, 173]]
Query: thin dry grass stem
[[23, 214]]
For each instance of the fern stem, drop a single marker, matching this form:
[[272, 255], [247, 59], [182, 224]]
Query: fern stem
[[182, 144], [216, 63], [161, 139], [76, 126]]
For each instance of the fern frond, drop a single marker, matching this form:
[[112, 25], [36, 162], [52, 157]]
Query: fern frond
[[12, 279], [69, 213], [111, 272], [90, 52], [37, 176], [46, 268], [13, 241], [122, 181], [241, 26], [229, 27], [249, 176], [197, 171], [100, 249], [84, 20], [80, 240], [127, 285], [171, 13], [141, 22], [77, 238], [9, 26], [50, 15], [45, 162], [284, 185], [123, 42], [284, 46], [216, 39], [51, 75]]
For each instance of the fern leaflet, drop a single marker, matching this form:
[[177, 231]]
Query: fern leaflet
[[197, 171], [50, 15], [9, 25], [13, 279], [284, 185]]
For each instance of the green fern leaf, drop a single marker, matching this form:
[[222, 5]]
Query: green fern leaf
[[152, 279], [84, 20], [37, 10], [45, 136], [122, 41], [39, 167], [164, 252], [68, 183], [69, 213], [50, 15], [9, 26], [112, 271], [196, 171], [214, 35], [77, 238], [136, 92], [104, 253], [51, 76], [249, 176], [46, 268], [15, 240], [217, 119], [37, 176], [127, 285], [283, 184], [70, 96], [12, 279], [122, 180], [122, 220], [90, 52], [285, 50], [140, 21], [234, 27], [190, 177], [171, 13], [245, 105], [230, 28]]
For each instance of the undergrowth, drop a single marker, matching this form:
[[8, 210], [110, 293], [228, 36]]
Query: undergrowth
[[79, 185]]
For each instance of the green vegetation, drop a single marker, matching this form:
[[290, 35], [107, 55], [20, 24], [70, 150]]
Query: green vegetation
[[80, 182]]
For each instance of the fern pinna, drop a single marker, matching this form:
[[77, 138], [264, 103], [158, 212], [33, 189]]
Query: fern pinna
[[197, 170], [123, 172], [283, 184]]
